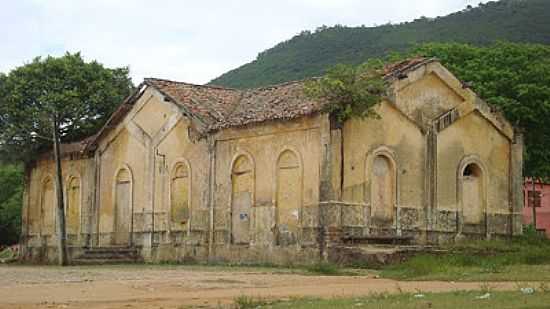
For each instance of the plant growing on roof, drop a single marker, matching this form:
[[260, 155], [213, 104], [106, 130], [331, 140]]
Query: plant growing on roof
[[349, 91]]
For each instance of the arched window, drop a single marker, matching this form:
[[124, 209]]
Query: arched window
[[242, 198], [383, 189], [473, 204], [180, 194], [123, 207], [47, 207], [73, 206], [288, 197]]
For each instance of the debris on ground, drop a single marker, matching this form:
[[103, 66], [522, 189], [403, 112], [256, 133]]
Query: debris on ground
[[484, 296], [527, 291]]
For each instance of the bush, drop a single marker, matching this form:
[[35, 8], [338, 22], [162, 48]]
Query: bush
[[11, 197]]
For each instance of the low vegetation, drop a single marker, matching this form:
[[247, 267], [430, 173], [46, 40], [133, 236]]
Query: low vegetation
[[460, 299], [526, 259]]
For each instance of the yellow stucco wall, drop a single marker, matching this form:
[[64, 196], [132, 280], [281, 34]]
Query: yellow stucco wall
[[473, 136], [174, 149], [151, 142], [124, 152], [264, 144], [427, 98], [395, 133], [42, 221]]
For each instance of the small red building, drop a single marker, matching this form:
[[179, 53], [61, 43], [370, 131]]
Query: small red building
[[540, 197]]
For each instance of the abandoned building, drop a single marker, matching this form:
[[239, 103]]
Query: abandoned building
[[186, 172]]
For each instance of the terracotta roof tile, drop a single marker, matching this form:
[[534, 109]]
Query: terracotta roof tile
[[223, 107], [218, 107]]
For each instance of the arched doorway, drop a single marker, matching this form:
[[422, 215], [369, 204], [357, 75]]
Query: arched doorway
[[242, 198], [288, 197], [473, 201], [123, 207], [73, 206], [383, 192]]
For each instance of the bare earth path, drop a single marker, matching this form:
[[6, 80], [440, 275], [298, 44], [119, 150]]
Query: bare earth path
[[167, 287]]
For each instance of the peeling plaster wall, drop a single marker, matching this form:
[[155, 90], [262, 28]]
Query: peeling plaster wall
[[401, 137], [177, 148], [35, 235], [263, 145], [151, 142], [397, 137], [473, 139], [473, 136]]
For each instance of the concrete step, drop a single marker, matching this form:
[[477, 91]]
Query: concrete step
[[382, 240], [80, 261], [107, 255], [378, 254]]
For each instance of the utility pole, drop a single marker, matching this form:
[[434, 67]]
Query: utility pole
[[60, 213]]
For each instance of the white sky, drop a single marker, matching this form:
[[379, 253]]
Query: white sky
[[187, 40]]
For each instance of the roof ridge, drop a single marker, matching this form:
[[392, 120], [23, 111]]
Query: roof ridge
[[189, 84]]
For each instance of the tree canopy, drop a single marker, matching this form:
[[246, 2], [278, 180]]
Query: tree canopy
[[42, 103], [350, 91], [79, 94], [11, 184]]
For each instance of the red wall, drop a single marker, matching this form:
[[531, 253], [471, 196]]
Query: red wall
[[543, 212]]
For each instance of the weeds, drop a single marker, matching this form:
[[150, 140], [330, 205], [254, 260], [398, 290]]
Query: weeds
[[246, 302], [478, 257], [324, 268]]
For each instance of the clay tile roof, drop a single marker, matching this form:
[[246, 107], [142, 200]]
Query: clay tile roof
[[220, 107], [217, 107]]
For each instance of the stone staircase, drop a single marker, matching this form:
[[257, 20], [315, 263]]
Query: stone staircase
[[107, 255]]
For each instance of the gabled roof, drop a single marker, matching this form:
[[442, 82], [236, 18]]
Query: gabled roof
[[216, 107]]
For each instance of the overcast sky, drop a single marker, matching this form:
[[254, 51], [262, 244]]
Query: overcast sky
[[193, 41]]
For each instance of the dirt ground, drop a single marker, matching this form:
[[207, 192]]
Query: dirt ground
[[140, 286]]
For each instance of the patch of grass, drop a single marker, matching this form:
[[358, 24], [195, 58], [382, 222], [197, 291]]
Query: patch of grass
[[450, 300], [246, 302], [525, 258], [324, 268]]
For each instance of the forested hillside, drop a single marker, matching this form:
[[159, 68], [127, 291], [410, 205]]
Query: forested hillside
[[311, 53]]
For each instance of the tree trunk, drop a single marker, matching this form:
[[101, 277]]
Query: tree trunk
[[533, 199], [60, 213]]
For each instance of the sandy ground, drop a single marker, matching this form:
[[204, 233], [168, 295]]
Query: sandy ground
[[181, 287]]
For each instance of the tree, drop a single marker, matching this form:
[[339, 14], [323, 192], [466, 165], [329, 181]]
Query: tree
[[516, 79], [349, 91], [11, 182], [52, 100]]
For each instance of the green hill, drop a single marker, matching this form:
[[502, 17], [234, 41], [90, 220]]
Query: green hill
[[310, 53]]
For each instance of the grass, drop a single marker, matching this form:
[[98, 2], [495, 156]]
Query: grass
[[246, 302], [459, 299], [524, 259], [6, 254]]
